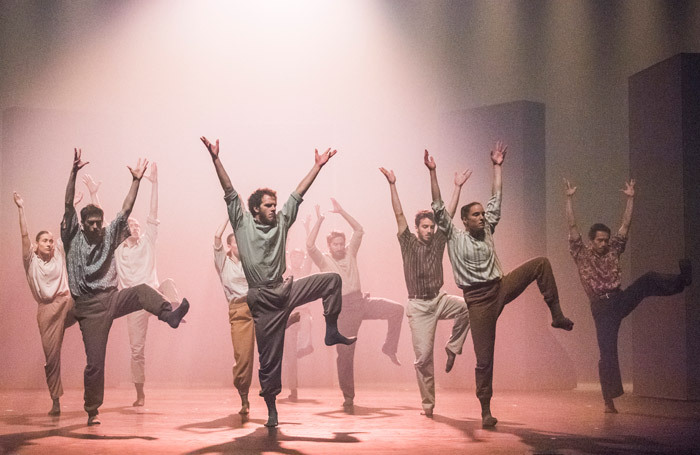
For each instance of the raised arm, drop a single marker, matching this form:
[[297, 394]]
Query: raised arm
[[70, 188], [434, 186], [460, 179], [313, 234], [93, 187], [153, 178], [219, 232], [627, 215], [395, 202], [498, 154], [220, 171], [357, 227], [26, 243], [569, 190], [319, 162], [137, 175]]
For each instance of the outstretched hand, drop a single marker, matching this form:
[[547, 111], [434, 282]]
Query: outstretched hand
[[323, 158], [429, 161], [629, 188], [390, 177], [462, 177], [336, 207], [153, 175], [139, 170], [78, 164], [18, 199], [498, 154], [90, 183], [319, 215], [213, 148], [569, 190]]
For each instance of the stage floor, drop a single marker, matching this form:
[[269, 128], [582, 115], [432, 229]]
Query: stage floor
[[203, 421]]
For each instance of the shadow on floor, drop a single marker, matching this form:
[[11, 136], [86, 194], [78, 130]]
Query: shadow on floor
[[11, 443], [268, 440]]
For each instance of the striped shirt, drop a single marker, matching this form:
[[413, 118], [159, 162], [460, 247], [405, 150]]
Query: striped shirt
[[422, 263], [473, 260], [91, 267]]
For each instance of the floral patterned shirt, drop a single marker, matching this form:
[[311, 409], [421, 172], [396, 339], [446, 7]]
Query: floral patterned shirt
[[599, 273]]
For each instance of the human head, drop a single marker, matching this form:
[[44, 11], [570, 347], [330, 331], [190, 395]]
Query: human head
[[336, 244], [92, 217], [599, 235], [473, 218], [134, 227], [425, 225], [263, 205], [45, 245]]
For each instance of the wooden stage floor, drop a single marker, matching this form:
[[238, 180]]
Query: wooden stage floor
[[204, 421]]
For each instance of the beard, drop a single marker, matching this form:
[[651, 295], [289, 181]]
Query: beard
[[94, 236]]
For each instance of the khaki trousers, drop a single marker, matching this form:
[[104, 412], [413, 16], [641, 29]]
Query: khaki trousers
[[243, 340], [53, 319], [423, 316]]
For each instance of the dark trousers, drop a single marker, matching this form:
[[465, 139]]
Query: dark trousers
[[271, 307], [95, 315], [486, 302], [357, 308], [608, 313]]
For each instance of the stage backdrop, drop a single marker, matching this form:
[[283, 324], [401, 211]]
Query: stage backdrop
[[665, 153]]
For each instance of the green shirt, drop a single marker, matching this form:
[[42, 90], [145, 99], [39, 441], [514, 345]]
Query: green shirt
[[262, 247]]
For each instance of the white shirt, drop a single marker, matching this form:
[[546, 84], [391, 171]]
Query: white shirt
[[136, 264], [47, 279], [231, 274]]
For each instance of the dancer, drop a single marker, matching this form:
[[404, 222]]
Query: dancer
[[297, 341], [422, 255], [261, 235], [45, 267], [136, 264], [228, 266], [478, 273], [599, 270], [357, 307], [92, 278]]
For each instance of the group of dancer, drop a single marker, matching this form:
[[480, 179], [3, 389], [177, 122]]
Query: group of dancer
[[98, 272]]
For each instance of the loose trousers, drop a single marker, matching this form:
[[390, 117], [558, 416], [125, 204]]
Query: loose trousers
[[95, 315], [243, 340], [357, 308], [423, 316], [53, 319], [486, 302], [297, 344], [609, 313], [137, 324], [271, 307]]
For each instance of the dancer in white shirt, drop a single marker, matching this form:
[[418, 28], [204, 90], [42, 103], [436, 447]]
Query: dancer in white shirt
[[228, 266], [45, 266]]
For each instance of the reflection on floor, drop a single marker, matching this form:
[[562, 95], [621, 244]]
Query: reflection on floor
[[204, 421]]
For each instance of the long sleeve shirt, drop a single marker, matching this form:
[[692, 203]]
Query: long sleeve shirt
[[473, 260], [262, 247]]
